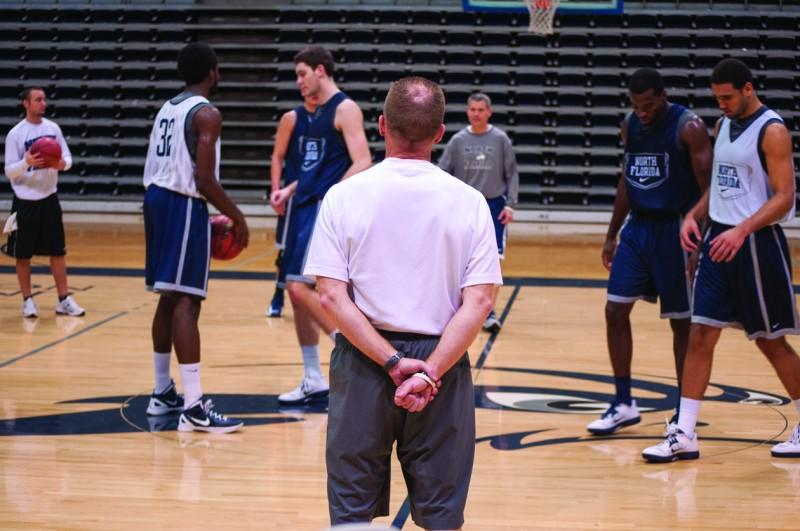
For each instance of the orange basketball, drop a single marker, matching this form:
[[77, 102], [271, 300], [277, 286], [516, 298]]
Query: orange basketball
[[49, 149], [223, 245]]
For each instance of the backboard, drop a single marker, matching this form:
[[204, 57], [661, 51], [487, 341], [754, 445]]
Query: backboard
[[566, 6]]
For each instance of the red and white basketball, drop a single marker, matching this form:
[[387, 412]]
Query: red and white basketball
[[49, 149], [223, 244]]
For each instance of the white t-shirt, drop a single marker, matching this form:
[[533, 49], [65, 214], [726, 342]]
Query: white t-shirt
[[30, 183], [408, 237], [169, 163]]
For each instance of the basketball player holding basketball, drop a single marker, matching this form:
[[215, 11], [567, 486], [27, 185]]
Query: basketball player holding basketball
[[666, 167], [40, 227], [481, 155], [284, 166], [331, 146], [744, 275], [409, 286], [180, 175]]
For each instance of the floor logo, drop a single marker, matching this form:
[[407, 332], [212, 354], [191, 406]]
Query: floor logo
[[577, 401], [127, 415]]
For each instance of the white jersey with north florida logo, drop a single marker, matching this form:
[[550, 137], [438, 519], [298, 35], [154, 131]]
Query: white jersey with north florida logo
[[170, 159], [739, 181]]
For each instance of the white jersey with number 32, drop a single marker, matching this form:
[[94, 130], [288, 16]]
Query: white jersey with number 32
[[169, 163]]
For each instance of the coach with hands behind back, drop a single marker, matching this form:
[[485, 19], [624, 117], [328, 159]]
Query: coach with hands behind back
[[421, 281]]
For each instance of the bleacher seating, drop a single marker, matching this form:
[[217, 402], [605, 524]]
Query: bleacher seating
[[108, 67]]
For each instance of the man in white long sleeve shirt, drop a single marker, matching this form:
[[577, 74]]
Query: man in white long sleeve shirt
[[40, 228]]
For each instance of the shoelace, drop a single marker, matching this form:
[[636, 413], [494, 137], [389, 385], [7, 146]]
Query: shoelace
[[207, 408], [795, 438], [305, 387], [672, 436], [672, 439], [611, 411]]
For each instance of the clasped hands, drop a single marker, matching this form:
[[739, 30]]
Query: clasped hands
[[414, 393]]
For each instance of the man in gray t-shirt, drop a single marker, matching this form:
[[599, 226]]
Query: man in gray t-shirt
[[481, 155]]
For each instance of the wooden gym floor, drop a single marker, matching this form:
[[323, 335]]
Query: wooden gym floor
[[78, 452]]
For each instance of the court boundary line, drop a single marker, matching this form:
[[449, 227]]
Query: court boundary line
[[487, 348], [539, 282], [135, 272], [268, 275], [547, 282], [35, 351]]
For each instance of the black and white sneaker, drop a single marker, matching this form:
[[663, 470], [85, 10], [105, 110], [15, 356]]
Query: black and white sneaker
[[677, 445], [169, 401], [69, 307], [492, 323], [201, 416], [790, 448], [617, 416], [309, 390]]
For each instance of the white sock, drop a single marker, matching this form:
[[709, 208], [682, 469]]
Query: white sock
[[190, 377], [161, 365], [333, 335], [311, 361], [687, 419]]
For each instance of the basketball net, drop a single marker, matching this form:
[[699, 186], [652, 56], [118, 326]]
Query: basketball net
[[542, 14]]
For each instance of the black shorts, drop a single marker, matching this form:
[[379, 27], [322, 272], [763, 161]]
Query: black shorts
[[435, 447], [40, 228]]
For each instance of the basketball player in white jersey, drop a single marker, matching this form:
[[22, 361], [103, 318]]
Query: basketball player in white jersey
[[180, 175], [744, 275]]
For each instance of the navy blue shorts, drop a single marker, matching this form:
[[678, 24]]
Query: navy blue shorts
[[753, 291], [280, 277], [281, 230], [298, 237], [177, 242], [282, 226], [650, 264], [496, 206]]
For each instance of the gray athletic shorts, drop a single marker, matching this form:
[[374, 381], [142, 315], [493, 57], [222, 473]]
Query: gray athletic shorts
[[436, 446]]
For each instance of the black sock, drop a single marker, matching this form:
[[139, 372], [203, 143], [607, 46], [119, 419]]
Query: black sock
[[622, 385], [61, 299]]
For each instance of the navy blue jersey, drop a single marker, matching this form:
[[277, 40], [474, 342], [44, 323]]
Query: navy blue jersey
[[293, 158], [658, 169], [321, 153]]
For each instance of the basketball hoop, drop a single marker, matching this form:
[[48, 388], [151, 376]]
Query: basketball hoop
[[542, 14]]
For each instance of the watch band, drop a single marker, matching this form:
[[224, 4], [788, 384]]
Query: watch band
[[392, 361]]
